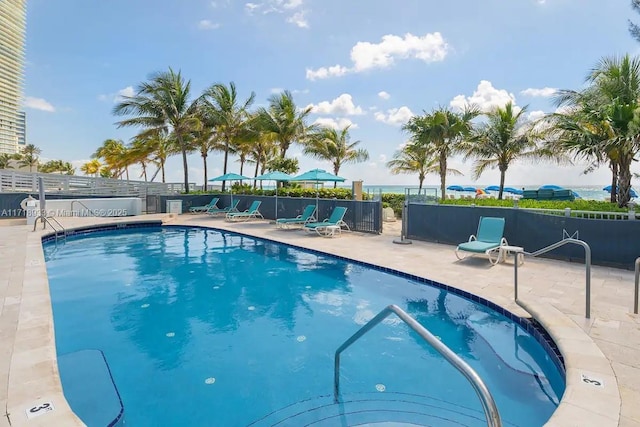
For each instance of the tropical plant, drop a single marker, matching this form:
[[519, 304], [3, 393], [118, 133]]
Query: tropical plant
[[115, 157], [440, 133], [5, 161], [287, 165], [29, 156], [609, 126], [204, 141], [92, 167], [162, 145], [500, 141], [59, 166], [263, 150], [223, 111], [140, 151], [414, 158], [284, 122], [634, 29], [163, 104], [333, 145]]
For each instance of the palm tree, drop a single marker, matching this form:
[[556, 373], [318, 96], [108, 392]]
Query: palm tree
[[5, 161], [441, 132], [92, 167], [500, 141], [29, 156], [415, 159], [114, 154], [284, 122], [67, 168], [612, 100], [140, 151], [163, 104], [162, 145], [333, 145], [204, 141], [229, 116]]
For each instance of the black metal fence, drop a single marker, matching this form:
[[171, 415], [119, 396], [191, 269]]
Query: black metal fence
[[364, 216], [613, 243]]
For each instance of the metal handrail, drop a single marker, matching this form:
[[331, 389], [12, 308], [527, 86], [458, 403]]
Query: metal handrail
[[488, 404], [45, 221], [637, 284], [587, 263], [85, 206]]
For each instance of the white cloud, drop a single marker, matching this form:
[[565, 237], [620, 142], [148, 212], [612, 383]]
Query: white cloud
[[544, 92], [38, 104], [338, 123], [535, 115], [299, 19], [486, 97], [206, 24], [117, 97], [342, 105], [394, 116], [384, 95], [276, 90], [382, 158], [291, 9], [365, 55], [326, 72]]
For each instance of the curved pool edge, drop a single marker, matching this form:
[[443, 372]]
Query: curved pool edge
[[577, 407]]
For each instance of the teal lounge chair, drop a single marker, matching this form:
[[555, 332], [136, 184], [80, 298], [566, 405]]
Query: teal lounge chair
[[217, 211], [251, 213], [488, 240], [308, 215], [212, 204], [330, 226]]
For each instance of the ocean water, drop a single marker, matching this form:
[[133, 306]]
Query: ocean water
[[592, 192]]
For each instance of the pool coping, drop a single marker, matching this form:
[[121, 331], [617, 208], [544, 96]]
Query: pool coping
[[35, 367]]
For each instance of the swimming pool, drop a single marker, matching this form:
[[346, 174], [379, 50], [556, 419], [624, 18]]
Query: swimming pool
[[201, 327]]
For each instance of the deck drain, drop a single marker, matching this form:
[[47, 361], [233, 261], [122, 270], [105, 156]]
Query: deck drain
[[380, 387], [210, 380], [144, 306], [171, 334], [301, 338]]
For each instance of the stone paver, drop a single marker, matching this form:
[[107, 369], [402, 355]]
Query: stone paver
[[605, 347]]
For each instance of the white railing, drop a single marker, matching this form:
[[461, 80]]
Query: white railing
[[631, 214], [18, 181]]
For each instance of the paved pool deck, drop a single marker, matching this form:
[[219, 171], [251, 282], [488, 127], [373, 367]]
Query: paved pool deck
[[604, 349]]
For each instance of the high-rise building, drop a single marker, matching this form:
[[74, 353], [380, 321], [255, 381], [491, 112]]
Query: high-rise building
[[22, 129], [13, 20]]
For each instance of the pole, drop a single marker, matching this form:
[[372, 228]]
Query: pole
[[403, 233]]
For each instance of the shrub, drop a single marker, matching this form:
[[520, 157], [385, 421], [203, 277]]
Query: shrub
[[580, 205]]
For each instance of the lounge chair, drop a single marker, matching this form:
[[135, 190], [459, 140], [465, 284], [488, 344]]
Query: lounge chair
[[488, 240], [251, 213], [217, 211], [330, 226], [308, 215], [212, 204]]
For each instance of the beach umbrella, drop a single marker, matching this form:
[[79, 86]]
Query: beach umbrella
[[230, 177], [455, 188], [274, 176], [632, 192], [512, 190], [551, 187], [317, 176], [492, 188], [471, 189]]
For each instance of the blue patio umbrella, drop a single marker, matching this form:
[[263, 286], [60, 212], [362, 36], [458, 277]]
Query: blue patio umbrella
[[230, 177], [317, 176], [632, 192], [471, 189], [492, 188], [455, 188], [274, 176], [512, 190], [551, 187]]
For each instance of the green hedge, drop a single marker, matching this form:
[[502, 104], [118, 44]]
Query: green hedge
[[323, 193], [580, 205]]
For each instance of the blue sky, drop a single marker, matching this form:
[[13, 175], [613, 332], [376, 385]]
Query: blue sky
[[371, 66]]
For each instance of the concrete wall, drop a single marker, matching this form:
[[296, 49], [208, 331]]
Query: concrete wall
[[613, 242]]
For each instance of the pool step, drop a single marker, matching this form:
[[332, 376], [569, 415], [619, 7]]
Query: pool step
[[373, 409]]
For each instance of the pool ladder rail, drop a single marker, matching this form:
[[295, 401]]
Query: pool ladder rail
[[58, 229], [488, 403]]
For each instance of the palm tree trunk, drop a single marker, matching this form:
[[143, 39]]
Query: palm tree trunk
[[144, 170], [162, 167], [185, 165], [226, 157], [255, 173], [614, 181], [420, 181], [502, 174], [624, 180], [443, 175], [204, 160]]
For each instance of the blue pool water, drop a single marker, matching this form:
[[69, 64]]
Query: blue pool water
[[208, 328]]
